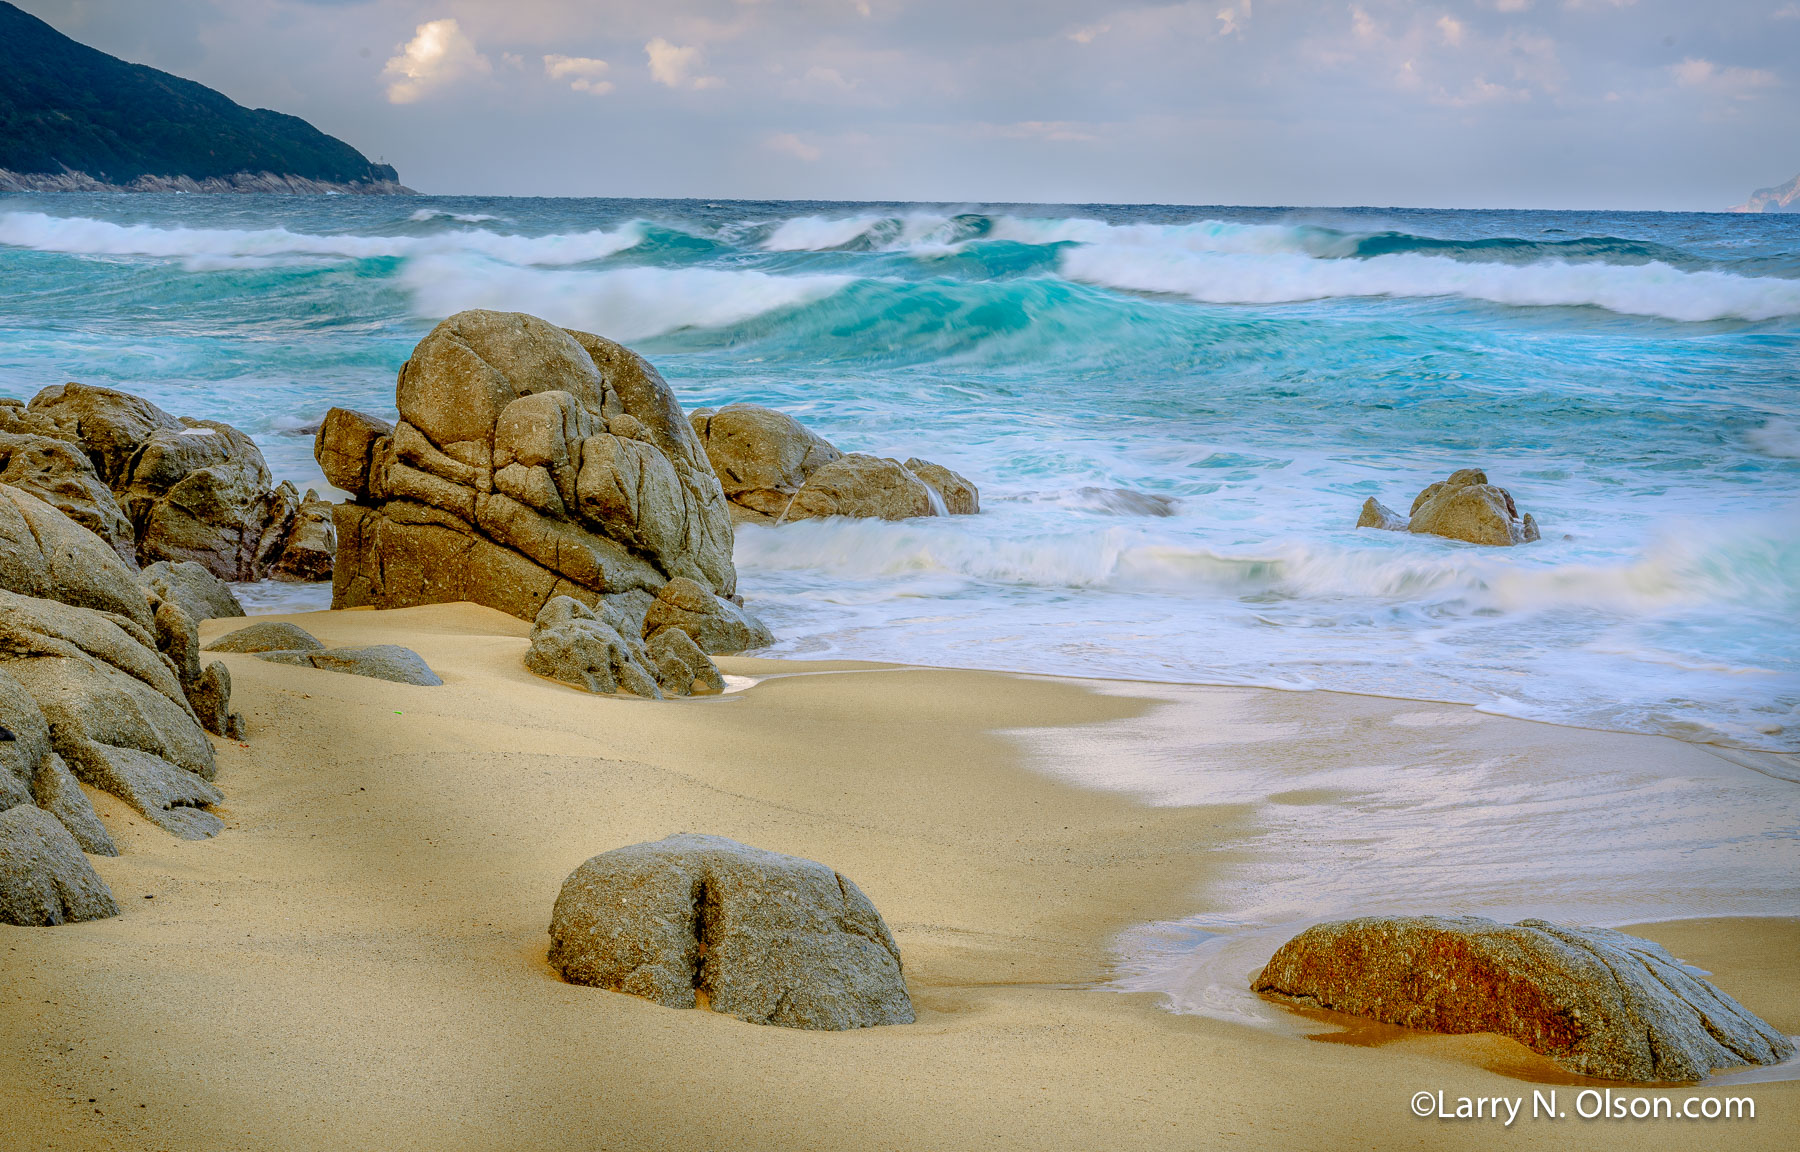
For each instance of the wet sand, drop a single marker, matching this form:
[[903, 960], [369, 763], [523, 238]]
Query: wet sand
[[358, 960]]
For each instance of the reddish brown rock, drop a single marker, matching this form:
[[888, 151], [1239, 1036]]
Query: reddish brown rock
[[1597, 1002]]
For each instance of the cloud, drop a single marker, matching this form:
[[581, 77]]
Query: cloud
[[1232, 20], [1090, 33], [789, 144], [1451, 29], [1060, 131], [674, 65], [584, 73], [438, 54], [1734, 82]]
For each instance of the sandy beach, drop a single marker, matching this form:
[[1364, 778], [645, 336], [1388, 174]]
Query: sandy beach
[[358, 961]]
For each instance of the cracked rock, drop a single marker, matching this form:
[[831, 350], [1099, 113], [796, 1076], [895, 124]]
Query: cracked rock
[[767, 938]]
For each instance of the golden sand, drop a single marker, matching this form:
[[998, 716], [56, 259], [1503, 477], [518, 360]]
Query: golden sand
[[357, 962]]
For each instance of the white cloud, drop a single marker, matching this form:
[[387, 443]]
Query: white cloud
[[584, 73], [1451, 29], [1512, 5], [789, 144], [1232, 20], [674, 65], [1059, 131], [438, 54], [1786, 12], [1734, 82], [1089, 34]]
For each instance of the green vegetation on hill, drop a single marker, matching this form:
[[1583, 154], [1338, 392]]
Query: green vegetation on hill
[[65, 107]]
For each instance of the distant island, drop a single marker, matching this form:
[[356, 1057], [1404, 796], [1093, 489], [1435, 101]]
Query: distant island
[[1781, 198], [77, 120]]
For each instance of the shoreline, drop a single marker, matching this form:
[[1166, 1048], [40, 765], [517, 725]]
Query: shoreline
[[358, 960]]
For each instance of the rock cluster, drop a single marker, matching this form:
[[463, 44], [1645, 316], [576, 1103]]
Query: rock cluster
[[153, 486], [597, 650], [1464, 507], [529, 462], [764, 937], [1597, 1002], [101, 682], [773, 471]]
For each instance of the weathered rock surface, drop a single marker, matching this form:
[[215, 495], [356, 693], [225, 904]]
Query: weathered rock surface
[[1464, 507], [345, 446], [380, 661], [588, 648], [115, 706], [529, 462], [1597, 1002], [44, 878], [715, 624], [311, 548], [774, 471], [768, 938], [44, 553], [192, 489], [1375, 514], [30, 773], [959, 496], [682, 669], [201, 595], [59, 473], [267, 636], [56, 792]]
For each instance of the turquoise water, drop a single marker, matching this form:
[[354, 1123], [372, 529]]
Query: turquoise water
[[1172, 413]]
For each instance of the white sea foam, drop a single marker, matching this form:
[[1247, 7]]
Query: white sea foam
[[624, 303], [1227, 277], [425, 214], [1777, 438], [211, 248], [818, 233]]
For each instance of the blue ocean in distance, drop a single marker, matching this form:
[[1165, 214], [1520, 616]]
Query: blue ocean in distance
[[1173, 415]]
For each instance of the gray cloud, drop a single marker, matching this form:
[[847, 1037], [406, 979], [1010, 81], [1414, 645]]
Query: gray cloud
[[1564, 103]]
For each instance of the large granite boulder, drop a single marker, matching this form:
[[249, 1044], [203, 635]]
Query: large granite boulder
[[60, 474], [774, 471], [1464, 507], [1597, 1002], [201, 595], [768, 938], [115, 705], [717, 626], [529, 462], [44, 553], [195, 490], [44, 878]]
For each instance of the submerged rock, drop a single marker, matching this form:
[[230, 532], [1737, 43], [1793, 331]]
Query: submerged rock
[[774, 471], [768, 938], [44, 878], [1375, 514], [1597, 1002], [1464, 507], [380, 661], [529, 462]]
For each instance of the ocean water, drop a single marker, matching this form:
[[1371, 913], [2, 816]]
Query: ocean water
[[1173, 415]]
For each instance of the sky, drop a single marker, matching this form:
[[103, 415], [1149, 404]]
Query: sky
[[1622, 104]]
